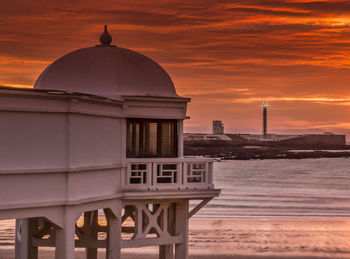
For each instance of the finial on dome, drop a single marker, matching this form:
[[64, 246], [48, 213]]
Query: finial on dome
[[105, 38]]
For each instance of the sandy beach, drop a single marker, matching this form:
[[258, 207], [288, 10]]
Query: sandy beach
[[249, 238], [271, 237]]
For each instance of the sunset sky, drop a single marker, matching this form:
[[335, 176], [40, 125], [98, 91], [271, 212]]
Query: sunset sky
[[228, 56]]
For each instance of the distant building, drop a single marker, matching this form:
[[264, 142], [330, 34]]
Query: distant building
[[328, 133], [267, 137], [325, 139], [204, 136], [218, 127]]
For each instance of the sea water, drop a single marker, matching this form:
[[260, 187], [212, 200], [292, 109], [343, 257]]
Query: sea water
[[281, 188]]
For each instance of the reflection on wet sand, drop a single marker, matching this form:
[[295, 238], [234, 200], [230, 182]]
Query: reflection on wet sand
[[241, 238]]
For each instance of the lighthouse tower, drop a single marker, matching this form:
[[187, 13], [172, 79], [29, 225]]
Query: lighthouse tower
[[265, 120], [99, 137]]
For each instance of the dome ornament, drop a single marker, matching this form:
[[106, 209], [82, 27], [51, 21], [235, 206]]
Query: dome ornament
[[105, 38]]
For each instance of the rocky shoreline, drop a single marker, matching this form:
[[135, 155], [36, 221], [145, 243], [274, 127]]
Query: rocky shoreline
[[230, 151]]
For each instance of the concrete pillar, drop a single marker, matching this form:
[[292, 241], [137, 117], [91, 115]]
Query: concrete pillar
[[91, 225], [65, 237], [25, 229], [21, 241], [166, 251], [181, 250], [113, 235], [180, 138]]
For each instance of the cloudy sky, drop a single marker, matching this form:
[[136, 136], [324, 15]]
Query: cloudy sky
[[228, 56]]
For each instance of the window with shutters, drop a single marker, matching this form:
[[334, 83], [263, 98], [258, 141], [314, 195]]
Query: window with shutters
[[151, 138]]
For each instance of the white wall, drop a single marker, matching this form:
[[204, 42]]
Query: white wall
[[61, 149], [94, 141], [32, 140]]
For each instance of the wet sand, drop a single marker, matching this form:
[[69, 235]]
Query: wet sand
[[7, 255], [249, 238], [301, 237]]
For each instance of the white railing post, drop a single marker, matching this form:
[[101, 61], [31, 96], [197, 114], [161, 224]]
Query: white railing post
[[207, 181], [154, 174], [127, 174], [179, 174], [210, 173], [184, 174], [149, 175]]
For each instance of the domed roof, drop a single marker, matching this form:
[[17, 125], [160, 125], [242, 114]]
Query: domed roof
[[108, 71]]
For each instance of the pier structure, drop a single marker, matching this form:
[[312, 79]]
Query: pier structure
[[92, 157]]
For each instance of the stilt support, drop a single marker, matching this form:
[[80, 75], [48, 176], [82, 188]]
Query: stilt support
[[25, 230], [181, 250], [162, 223], [113, 235], [166, 252], [65, 237], [91, 227]]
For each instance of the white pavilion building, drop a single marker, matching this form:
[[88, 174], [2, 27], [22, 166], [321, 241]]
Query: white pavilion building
[[101, 134]]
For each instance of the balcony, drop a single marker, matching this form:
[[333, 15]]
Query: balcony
[[168, 174]]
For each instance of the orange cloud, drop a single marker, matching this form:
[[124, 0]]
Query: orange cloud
[[229, 57], [17, 85]]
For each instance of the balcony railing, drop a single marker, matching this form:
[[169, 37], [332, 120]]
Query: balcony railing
[[169, 173]]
